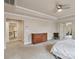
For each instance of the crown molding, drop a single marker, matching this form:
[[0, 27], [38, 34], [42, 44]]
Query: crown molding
[[66, 17], [28, 12], [15, 16], [36, 13]]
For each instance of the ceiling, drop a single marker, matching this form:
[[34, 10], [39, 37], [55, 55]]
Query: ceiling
[[48, 6]]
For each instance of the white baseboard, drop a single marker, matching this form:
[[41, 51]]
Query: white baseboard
[[26, 43]]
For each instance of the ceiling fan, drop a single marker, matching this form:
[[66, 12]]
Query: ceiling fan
[[60, 7]]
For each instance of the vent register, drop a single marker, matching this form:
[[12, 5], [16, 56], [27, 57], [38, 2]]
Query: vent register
[[11, 2]]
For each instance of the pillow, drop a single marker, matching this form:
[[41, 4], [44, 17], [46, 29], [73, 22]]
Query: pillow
[[68, 37]]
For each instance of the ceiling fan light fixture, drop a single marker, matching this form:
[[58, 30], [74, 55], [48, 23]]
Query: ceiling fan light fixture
[[59, 6], [59, 10]]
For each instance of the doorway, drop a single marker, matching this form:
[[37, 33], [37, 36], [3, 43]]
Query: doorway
[[14, 32], [66, 30]]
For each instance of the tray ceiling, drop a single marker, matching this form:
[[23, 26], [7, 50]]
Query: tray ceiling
[[48, 6]]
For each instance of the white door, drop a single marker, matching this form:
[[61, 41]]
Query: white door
[[61, 30]]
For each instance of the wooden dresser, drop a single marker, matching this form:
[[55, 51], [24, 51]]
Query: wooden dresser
[[39, 37]]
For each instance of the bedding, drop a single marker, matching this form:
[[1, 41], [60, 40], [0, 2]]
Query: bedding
[[64, 49]]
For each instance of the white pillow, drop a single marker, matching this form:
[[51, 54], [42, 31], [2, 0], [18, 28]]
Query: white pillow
[[68, 37]]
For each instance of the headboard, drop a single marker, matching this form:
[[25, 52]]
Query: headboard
[[39, 37]]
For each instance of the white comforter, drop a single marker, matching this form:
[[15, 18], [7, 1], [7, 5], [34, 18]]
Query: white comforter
[[64, 49]]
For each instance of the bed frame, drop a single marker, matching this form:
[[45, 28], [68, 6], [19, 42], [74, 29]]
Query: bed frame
[[39, 37]]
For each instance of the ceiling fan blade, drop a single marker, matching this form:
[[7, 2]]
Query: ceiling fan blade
[[65, 7], [62, 6]]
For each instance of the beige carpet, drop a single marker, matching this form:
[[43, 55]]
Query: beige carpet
[[30, 52]]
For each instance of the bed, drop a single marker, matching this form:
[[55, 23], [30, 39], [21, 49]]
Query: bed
[[64, 49], [61, 49]]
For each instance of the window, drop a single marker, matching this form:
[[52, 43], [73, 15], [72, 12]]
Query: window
[[9, 2]]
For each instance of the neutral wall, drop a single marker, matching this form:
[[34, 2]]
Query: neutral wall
[[34, 25], [20, 30], [37, 26]]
